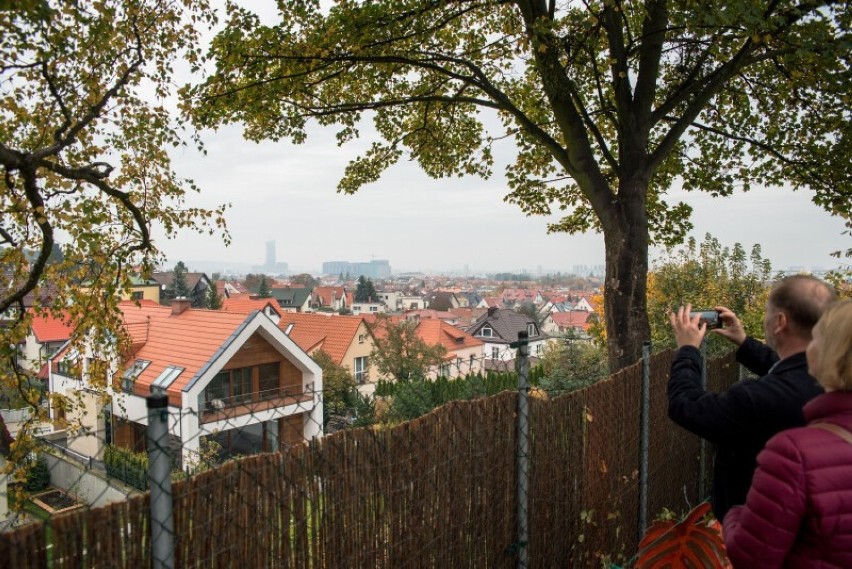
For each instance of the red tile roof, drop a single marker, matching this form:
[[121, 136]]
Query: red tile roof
[[325, 295], [49, 329], [571, 319], [333, 334], [245, 304], [435, 332], [188, 340]]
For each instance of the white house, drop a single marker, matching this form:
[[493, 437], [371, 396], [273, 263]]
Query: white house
[[233, 377]]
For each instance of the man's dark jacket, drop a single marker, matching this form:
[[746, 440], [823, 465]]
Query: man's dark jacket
[[740, 420]]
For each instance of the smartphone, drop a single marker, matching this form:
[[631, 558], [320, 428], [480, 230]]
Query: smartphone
[[709, 317]]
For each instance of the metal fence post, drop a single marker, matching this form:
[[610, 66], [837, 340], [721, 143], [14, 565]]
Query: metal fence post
[[160, 483], [523, 447], [702, 452], [645, 440]]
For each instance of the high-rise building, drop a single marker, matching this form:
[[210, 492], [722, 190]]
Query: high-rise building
[[375, 269], [270, 253]]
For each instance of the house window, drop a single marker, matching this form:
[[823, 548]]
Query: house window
[[228, 387], [165, 379], [128, 378], [361, 369], [472, 360], [69, 365], [374, 309], [137, 295], [361, 338], [486, 332], [241, 384], [268, 380], [531, 330], [444, 370], [495, 353]]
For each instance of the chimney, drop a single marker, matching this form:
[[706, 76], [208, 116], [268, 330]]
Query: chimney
[[180, 304], [491, 311]]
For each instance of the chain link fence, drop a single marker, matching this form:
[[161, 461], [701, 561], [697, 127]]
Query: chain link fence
[[491, 478]]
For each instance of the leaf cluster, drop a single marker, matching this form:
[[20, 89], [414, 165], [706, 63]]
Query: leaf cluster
[[706, 275], [399, 352], [600, 100], [85, 136]]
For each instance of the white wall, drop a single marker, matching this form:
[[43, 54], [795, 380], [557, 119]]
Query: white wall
[[92, 486]]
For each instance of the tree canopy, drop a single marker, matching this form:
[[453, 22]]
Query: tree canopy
[[365, 291], [608, 104], [263, 288], [84, 141], [401, 354], [708, 274], [305, 280]]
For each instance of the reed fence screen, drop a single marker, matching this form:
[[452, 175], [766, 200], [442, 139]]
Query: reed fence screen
[[438, 491]]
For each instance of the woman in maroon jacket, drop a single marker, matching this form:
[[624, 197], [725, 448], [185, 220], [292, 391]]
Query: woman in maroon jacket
[[799, 509]]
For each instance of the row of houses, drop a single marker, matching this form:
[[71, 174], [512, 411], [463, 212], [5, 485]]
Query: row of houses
[[244, 375]]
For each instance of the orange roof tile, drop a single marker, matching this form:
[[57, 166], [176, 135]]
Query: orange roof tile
[[435, 332], [572, 319], [334, 334], [49, 329], [188, 340], [246, 305], [324, 295]]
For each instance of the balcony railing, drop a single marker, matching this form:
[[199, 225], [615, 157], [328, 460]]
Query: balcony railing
[[218, 408]]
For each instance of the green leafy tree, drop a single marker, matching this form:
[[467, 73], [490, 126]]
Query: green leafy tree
[[570, 366], [263, 288], [365, 291], [338, 386], [707, 274], [305, 281], [212, 299], [84, 154], [179, 287], [399, 352], [252, 281], [608, 104]]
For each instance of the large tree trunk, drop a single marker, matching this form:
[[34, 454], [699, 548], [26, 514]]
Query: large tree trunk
[[625, 301]]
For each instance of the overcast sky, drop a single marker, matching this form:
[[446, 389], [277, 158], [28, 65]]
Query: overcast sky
[[287, 193]]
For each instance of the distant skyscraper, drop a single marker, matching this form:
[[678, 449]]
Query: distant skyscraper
[[270, 254], [376, 269]]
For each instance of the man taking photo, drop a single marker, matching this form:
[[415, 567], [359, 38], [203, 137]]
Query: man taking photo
[[740, 420]]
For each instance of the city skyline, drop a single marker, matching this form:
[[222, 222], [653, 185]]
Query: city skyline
[[287, 193]]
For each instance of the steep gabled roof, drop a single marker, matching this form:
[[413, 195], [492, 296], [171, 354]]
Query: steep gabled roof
[[572, 319], [435, 332], [46, 328], [325, 295], [332, 334], [165, 278], [189, 340], [505, 324], [290, 296], [246, 304]]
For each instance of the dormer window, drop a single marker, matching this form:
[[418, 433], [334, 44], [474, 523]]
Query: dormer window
[[531, 330], [486, 332]]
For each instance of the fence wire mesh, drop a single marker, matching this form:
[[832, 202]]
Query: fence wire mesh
[[263, 482]]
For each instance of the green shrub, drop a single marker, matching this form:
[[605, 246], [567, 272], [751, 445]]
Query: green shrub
[[38, 476], [127, 466]]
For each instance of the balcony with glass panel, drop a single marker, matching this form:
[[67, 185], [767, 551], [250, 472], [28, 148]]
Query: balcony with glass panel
[[247, 390]]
